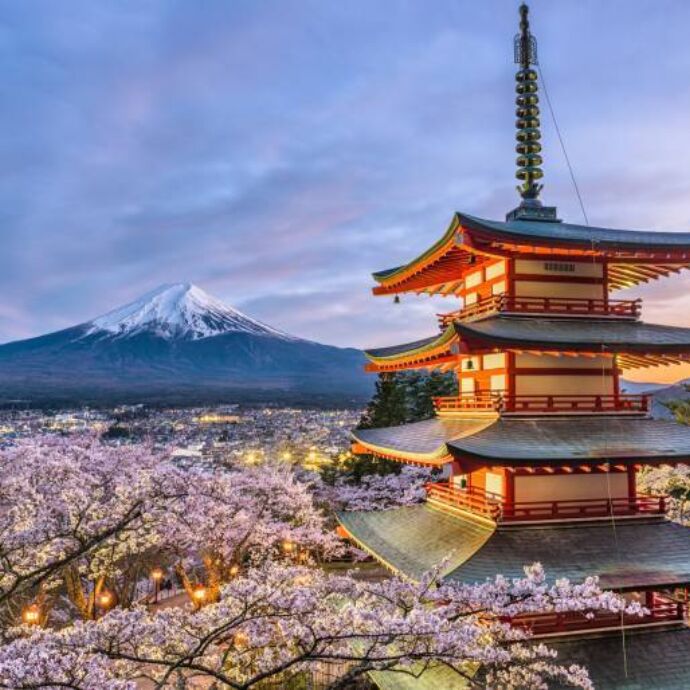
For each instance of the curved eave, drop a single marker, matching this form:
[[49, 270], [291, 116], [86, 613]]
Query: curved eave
[[433, 351], [439, 269], [584, 237], [437, 458], [395, 275], [595, 337], [423, 443], [585, 440]]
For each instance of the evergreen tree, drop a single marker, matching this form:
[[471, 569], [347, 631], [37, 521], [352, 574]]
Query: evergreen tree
[[399, 398], [388, 406]]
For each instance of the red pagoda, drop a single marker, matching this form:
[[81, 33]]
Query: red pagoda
[[540, 448]]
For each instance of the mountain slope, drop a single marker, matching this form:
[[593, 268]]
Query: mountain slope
[[179, 345]]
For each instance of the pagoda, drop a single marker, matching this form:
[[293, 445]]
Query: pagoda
[[540, 449]]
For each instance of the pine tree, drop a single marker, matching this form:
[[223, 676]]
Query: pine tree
[[388, 406]]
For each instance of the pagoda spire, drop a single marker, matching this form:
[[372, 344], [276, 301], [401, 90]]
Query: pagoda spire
[[528, 133]]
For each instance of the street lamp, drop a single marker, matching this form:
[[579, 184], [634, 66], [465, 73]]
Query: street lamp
[[234, 570], [157, 575], [31, 614], [105, 600], [199, 595]]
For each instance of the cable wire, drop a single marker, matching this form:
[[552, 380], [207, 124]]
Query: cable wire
[[562, 143]]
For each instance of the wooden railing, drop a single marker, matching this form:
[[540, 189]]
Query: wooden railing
[[582, 508], [478, 402], [503, 403], [475, 500], [465, 499], [563, 622], [557, 306], [573, 404]]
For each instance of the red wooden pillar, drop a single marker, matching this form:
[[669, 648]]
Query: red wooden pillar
[[508, 486], [632, 483]]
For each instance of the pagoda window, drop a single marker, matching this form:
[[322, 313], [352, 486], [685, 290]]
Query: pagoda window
[[498, 382], [583, 280], [498, 288], [495, 360], [495, 270], [470, 298], [467, 385], [494, 484], [474, 279]]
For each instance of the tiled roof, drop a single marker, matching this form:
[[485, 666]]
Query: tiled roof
[[626, 555], [415, 539], [535, 439], [602, 238], [602, 335], [393, 350], [425, 439], [642, 660], [654, 659], [574, 438]]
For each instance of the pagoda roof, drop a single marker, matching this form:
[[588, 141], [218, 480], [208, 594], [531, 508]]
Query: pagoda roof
[[627, 556], [603, 335], [543, 439], [532, 441], [424, 442], [641, 659], [629, 660], [416, 346], [641, 344], [584, 236], [414, 539], [470, 240]]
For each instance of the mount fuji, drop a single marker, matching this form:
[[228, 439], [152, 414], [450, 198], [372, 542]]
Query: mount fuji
[[179, 345]]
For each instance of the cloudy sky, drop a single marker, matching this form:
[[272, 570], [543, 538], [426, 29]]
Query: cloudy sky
[[275, 152]]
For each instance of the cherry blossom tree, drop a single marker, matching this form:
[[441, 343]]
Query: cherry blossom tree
[[229, 519], [78, 516], [72, 510], [379, 491], [673, 481], [278, 623]]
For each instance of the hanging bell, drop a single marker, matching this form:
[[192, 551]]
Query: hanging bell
[[396, 299]]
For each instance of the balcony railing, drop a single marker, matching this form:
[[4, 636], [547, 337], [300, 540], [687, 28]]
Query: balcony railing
[[477, 402], [503, 403], [565, 622], [471, 500], [579, 509], [475, 500], [556, 306]]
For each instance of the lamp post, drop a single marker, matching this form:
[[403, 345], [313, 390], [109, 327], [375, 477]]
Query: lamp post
[[157, 575], [31, 614], [199, 595], [234, 570], [105, 601]]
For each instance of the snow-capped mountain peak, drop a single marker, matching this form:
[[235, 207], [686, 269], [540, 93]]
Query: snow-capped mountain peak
[[180, 310]]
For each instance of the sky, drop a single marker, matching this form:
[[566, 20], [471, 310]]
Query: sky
[[276, 152]]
